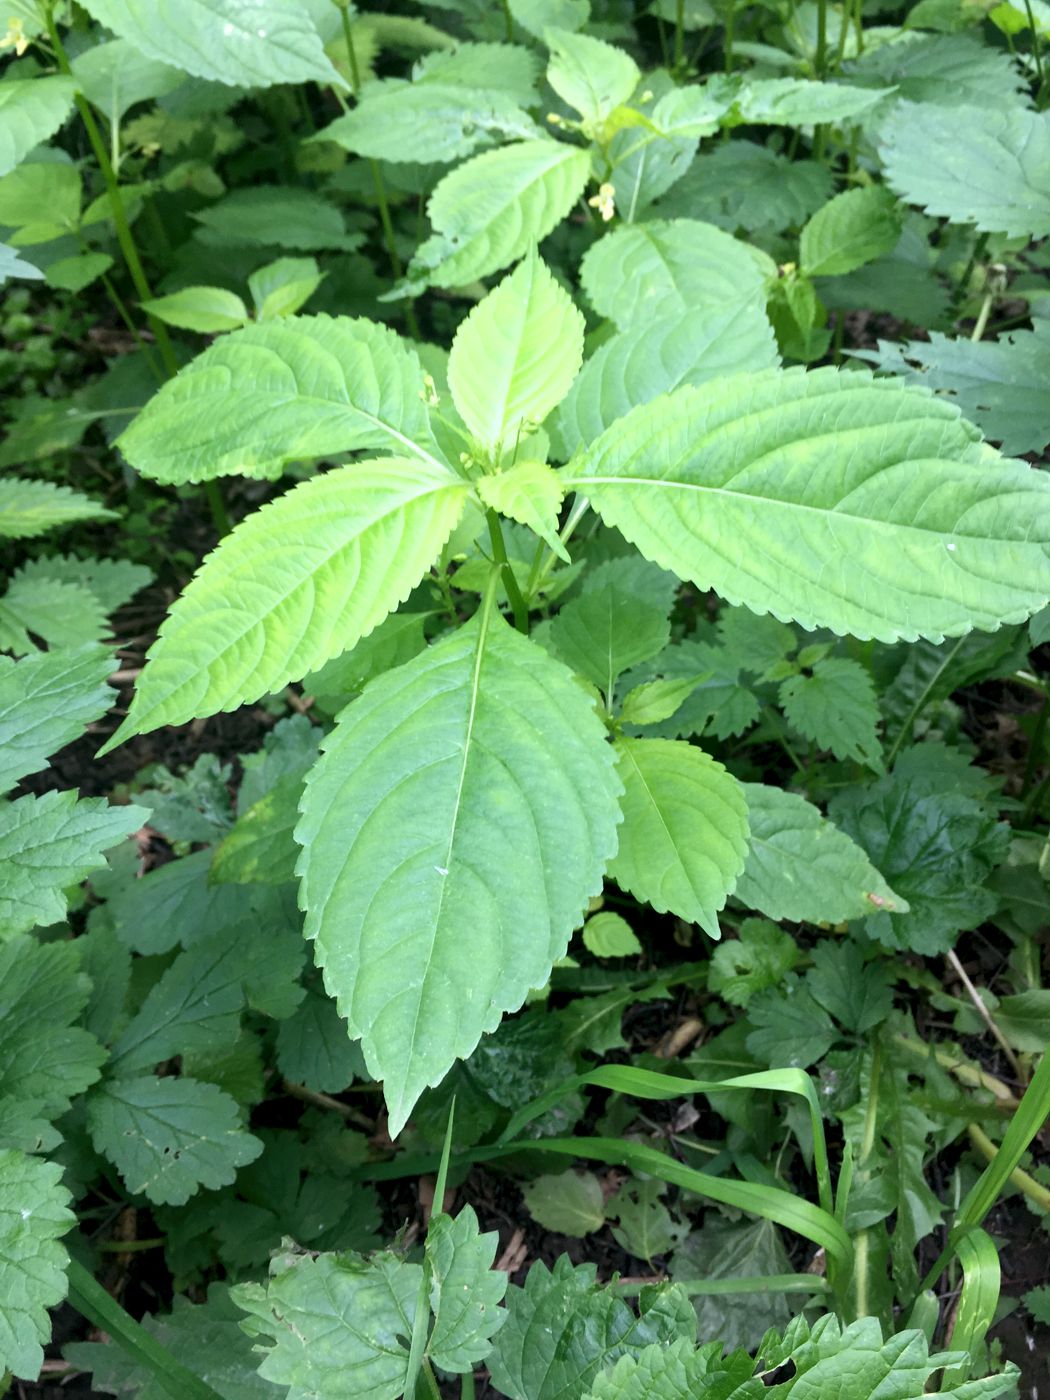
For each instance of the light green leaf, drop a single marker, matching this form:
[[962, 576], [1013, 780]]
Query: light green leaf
[[34, 1215], [515, 356], [282, 287], [335, 1320], [204, 309], [761, 957], [836, 708], [117, 76], [641, 273], [11, 265], [169, 1137], [608, 935], [531, 493], [282, 216], [259, 848], [290, 390], [591, 76], [396, 640], [313, 1047], [798, 494], [31, 110], [29, 508], [491, 209], [537, 16], [428, 122], [951, 70], [612, 625], [294, 585], [75, 273], [113, 582], [49, 843], [60, 614], [654, 701], [465, 1291], [684, 835], [801, 867], [50, 186], [46, 701], [228, 41], [800, 102], [472, 786], [505, 68], [644, 1226], [569, 1202], [852, 229], [679, 1372], [990, 168], [655, 357]]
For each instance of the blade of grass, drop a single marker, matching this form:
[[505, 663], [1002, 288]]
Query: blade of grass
[[977, 1301]]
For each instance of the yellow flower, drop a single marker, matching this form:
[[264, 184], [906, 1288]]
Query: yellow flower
[[15, 37], [604, 201]]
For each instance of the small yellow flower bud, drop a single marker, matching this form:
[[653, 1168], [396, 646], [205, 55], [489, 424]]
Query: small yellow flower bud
[[604, 201], [15, 37]]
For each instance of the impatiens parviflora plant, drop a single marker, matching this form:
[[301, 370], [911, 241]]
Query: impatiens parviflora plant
[[469, 803]]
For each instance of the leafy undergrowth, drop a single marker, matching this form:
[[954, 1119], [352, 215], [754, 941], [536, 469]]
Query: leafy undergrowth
[[524, 700]]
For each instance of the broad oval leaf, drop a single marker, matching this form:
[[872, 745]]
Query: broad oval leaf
[[531, 493], [828, 498], [972, 165], [31, 110], [588, 74], [662, 268], [802, 867], [285, 391], [802, 102], [116, 76], [243, 43], [852, 229], [298, 582], [515, 356], [492, 208], [683, 840], [461, 817]]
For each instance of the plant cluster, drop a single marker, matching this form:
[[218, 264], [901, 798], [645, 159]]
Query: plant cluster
[[606, 441]]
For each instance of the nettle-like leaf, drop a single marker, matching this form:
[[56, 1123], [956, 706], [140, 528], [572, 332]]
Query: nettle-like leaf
[[34, 1214], [490, 210], [615, 623], [284, 216], [46, 701], [244, 43], [972, 165], [259, 847], [854, 228], [591, 76], [531, 493], [470, 788], [830, 499], [294, 585], [680, 1371], [515, 356], [740, 185], [644, 272], [802, 867], [836, 708], [465, 1291], [49, 843], [29, 508], [429, 122], [168, 1137], [285, 391], [639, 364], [116, 76], [800, 102], [951, 70], [505, 68], [31, 110], [683, 839], [760, 958]]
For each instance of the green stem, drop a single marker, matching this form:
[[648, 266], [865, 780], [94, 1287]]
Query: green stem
[[430, 1381], [1036, 42], [730, 24], [93, 1302], [821, 56], [466, 1386], [964, 281], [1034, 1190], [508, 20], [679, 39], [723, 1287], [982, 316], [499, 552], [921, 703], [861, 1244]]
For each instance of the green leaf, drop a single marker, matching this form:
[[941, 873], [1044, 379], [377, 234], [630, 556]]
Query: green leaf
[[653, 358], [60, 614], [428, 122], [951, 70], [761, 957], [117, 76], [34, 1215], [996, 383], [569, 1202], [204, 309], [726, 1249], [990, 168], [1025, 1019], [859, 996], [791, 1030], [280, 288], [49, 843], [272, 41], [333, 1317], [259, 847], [169, 1137], [472, 784], [531, 493], [563, 1330], [293, 585], [608, 935], [285, 391], [612, 625], [504, 68], [113, 582], [46, 701], [852, 229], [655, 701], [740, 185], [284, 216], [641, 273], [644, 1226], [679, 1372], [75, 273], [396, 640], [799, 102], [591, 76], [29, 508], [801, 867], [491, 209], [684, 835], [836, 708], [465, 1291], [515, 356], [31, 110], [313, 1047], [11, 265], [537, 16], [33, 188], [794, 493]]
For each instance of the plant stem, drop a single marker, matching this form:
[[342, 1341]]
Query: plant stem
[[508, 20], [730, 23], [986, 1015], [966, 1073], [863, 1240], [1035, 747], [981, 323], [679, 39], [964, 281], [920, 704], [510, 583], [1034, 1190], [1037, 45], [820, 61], [466, 1386]]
